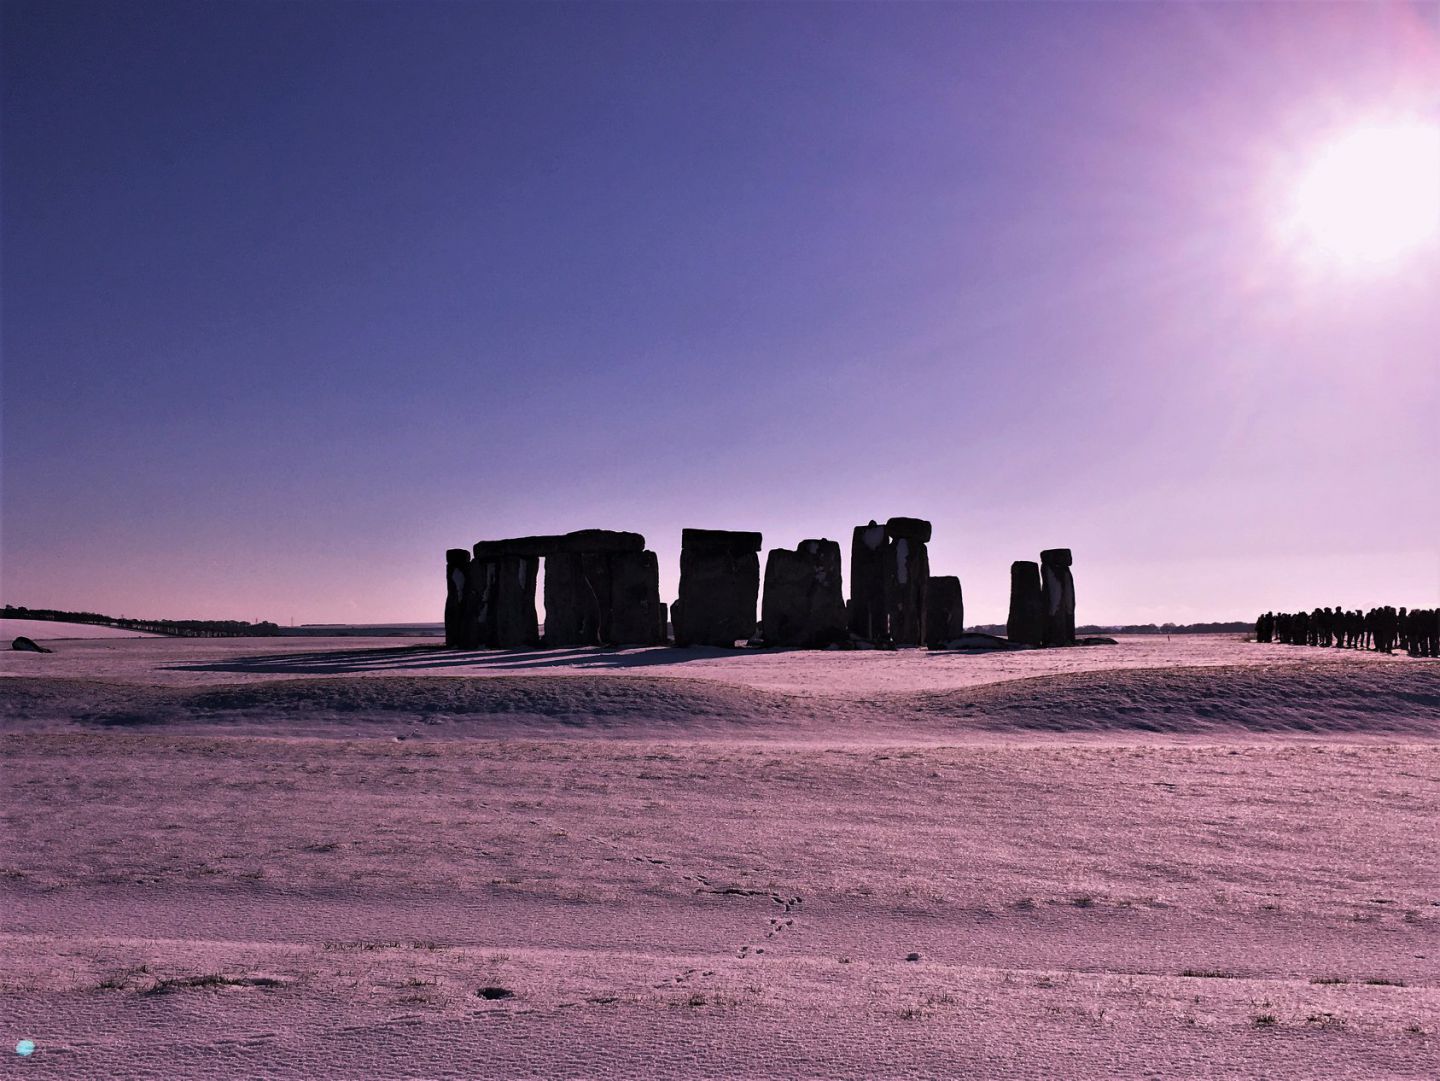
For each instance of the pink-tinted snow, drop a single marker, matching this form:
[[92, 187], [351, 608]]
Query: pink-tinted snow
[[1194, 859], [42, 630]]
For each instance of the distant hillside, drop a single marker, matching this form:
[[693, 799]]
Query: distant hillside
[[178, 628]]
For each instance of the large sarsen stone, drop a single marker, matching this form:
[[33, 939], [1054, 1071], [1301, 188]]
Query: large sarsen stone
[[803, 604]]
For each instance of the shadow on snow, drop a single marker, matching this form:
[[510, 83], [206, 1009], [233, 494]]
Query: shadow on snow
[[405, 658]]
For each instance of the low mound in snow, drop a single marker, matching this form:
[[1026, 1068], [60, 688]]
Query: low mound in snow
[[1300, 699]]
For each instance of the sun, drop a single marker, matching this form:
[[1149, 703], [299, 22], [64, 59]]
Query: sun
[[1370, 196]]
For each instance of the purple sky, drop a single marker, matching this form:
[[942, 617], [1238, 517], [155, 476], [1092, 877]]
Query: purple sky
[[298, 295]]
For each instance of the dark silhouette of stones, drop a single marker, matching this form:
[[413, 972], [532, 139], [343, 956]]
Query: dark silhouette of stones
[[1058, 596], [803, 604], [907, 569], [600, 540], [662, 632], [582, 604], [866, 610], [456, 562], [889, 566], [26, 645], [719, 587], [572, 612], [605, 597], [1026, 622], [635, 609], [576, 543], [913, 529], [1056, 557], [478, 605], [944, 611], [516, 623], [719, 540]]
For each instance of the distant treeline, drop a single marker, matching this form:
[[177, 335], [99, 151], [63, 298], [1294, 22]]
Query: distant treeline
[[180, 628], [1239, 627]]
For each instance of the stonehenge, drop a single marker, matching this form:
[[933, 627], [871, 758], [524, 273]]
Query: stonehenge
[[456, 561], [602, 588], [944, 611], [719, 587], [907, 569], [889, 566], [803, 605], [1026, 623], [1057, 592], [868, 620]]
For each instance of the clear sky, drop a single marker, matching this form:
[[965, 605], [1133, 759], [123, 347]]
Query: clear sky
[[298, 295]]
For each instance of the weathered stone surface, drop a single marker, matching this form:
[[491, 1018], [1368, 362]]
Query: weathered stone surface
[[944, 611], [866, 610], [635, 600], [907, 569], [27, 645], [456, 561], [1057, 587], [803, 604], [719, 540], [719, 587], [1026, 623]]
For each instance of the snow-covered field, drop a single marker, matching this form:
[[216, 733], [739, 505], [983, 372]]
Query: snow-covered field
[[1200, 858], [40, 630]]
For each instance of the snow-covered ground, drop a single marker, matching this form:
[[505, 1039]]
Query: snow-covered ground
[[202, 661], [40, 630], [1194, 859]]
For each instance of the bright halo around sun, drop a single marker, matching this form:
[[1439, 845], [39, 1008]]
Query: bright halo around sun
[[1370, 196]]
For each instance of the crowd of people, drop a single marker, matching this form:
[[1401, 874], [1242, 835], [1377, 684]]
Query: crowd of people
[[1416, 631]]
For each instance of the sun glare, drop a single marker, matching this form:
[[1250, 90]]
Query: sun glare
[[1370, 196]]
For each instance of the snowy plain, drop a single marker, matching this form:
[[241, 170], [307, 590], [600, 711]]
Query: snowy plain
[[42, 630], [1194, 858]]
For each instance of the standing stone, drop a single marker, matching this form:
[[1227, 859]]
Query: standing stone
[[719, 586], [1058, 596], [598, 591], [516, 624], [944, 611], [580, 591], [479, 607], [635, 600], [866, 609], [907, 569], [803, 605], [456, 560], [1026, 623], [662, 631], [566, 612]]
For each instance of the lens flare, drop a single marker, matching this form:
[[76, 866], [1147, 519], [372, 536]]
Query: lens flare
[[1370, 196]]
